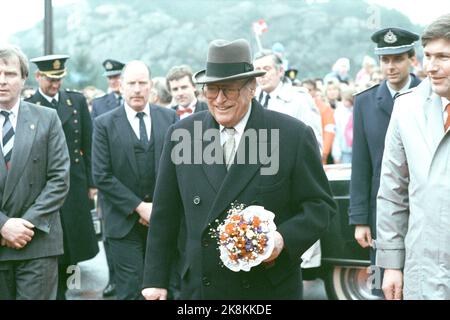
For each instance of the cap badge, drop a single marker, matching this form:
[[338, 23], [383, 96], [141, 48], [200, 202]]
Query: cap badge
[[56, 65], [390, 37], [69, 103], [108, 66]]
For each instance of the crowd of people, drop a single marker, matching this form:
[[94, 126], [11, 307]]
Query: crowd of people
[[62, 149]]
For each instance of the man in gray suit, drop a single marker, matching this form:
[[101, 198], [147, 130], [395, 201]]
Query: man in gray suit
[[34, 181], [127, 145]]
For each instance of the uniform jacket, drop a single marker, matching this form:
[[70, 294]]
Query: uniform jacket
[[104, 104], [37, 183], [198, 194], [115, 168], [80, 242], [413, 205], [371, 114]]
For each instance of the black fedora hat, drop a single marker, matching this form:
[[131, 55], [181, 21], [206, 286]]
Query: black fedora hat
[[227, 61]]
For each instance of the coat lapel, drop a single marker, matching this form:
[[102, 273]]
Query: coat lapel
[[239, 175], [23, 141], [65, 107], [125, 133], [434, 120], [215, 172], [384, 99], [158, 134]]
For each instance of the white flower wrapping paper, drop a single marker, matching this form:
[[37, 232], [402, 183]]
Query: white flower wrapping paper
[[243, 247]]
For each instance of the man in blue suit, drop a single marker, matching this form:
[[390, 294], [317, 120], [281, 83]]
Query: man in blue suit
[[113, 99], [372, 112]]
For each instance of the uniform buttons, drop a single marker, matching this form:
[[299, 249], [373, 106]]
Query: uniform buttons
[[206, 281], [76, 131], [245, 284], [75, 121], [196, 200], [75, 151], [75, 141], [77, 160], [75, 111]]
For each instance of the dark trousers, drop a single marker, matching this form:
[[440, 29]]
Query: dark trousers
[[109, 260], [34, 279], [128, 254]]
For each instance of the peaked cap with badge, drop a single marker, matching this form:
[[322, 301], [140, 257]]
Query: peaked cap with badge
[[112, 67], [52, 66], [227, 61], [393, 41]]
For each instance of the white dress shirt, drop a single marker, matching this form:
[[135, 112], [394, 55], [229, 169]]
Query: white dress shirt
[[134, 120], [48, 98]]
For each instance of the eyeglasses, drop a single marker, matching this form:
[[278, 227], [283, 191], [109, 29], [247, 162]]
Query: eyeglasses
[[212, 91]]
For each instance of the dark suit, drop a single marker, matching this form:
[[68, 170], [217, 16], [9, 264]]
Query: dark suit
[[34, 189], [371, 114], [115, 171], [198, 194], [199, 106], [104, 104]]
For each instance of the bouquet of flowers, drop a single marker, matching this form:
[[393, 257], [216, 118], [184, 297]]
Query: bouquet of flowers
[[245, 237]]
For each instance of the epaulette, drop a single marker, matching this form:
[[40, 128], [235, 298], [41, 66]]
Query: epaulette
[[370, 88], [74, 91]]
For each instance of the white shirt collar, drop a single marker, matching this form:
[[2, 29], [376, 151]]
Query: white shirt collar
[[48, 98], [405, 87], [14, 111], [131, 113], [445, 102]]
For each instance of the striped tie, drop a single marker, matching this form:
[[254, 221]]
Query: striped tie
[[7, 138], [447, 123]]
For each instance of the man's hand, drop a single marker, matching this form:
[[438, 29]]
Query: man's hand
[[144, 209], [16, 233], [279, 245], [393, 284], [363, 235], [154, 294], [92, 193]]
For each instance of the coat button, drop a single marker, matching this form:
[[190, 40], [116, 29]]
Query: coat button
[[75, 151], [76, 131], [77, 160], [206, 281], [245, 284], [75, 121], [75, 141], [75, 111], [196, 200]]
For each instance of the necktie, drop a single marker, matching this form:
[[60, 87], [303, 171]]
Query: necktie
[[54, 103], [395, 95], [119, 101], [229, 147], [180, 112], [7, 138], [260, 97], [266, 102], [142, 128], [447, 123]]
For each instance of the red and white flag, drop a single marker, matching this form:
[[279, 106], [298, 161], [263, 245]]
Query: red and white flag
[[260, 27]]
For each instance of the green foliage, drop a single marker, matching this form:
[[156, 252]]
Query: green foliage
[[164, 33]]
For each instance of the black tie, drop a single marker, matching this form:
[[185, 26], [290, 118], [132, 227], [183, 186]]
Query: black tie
[[7, 138], [54, 103], [142, 128], [119, 100], [396, 95], [266, 102], [260, 97]]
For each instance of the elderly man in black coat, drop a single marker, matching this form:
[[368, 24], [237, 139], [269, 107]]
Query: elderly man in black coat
[[193, 192]]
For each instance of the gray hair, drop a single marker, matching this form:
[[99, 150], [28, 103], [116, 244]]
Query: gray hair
[[439, 28], [277, 61], [8, 51]]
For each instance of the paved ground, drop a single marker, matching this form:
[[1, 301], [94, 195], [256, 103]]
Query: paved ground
[[94, 277]]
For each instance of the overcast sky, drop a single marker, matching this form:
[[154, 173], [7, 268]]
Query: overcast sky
[[23, 14]]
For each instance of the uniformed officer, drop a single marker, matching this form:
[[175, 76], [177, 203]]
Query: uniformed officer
[[113, 70], [371, 115], [80, 242]]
